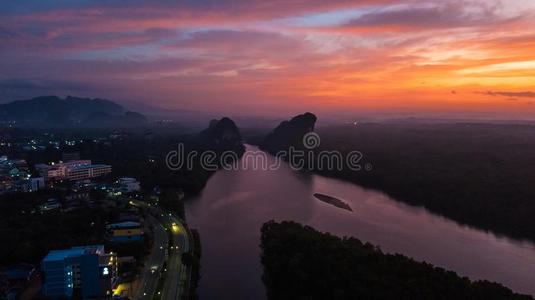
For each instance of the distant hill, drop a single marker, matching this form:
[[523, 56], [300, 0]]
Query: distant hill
[[221, 135], [52, 111], [289, 133], [101, 120]]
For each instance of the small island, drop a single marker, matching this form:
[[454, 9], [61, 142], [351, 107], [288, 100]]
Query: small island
[[333, 201]]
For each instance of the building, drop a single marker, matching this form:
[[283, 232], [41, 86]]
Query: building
[[15, 176], [72, 170], [21, 184], [5, 165], [13, 167], [78, 196], [6, 183], [50, 172], [74, 163], [41, 168], [79, 272], [36, 183], [14, 279], [128, 185], [21, 165], [125, 232], [88, 171], [58, 171], [77, 200]]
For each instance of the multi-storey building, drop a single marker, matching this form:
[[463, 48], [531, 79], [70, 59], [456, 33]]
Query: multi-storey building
[[72, 170], [59, 170], [85, 272], [88, 171]]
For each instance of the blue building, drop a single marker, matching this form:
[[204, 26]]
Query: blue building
[[81, 272], [125, 232]]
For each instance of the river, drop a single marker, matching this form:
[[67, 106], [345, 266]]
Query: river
[[234, 204]]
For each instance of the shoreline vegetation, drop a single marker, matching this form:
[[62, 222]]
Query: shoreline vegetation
[[302, 263], [333, 201], [476, 174]]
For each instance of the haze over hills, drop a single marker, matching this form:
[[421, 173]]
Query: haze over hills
[[52, 111]]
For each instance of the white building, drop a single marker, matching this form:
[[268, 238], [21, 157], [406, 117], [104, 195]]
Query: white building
[[88, 171], [72, 170], [128, 185]]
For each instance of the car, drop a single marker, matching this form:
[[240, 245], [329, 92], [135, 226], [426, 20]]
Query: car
[[153, 269]]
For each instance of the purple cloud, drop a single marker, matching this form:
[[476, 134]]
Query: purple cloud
[[417, 16]]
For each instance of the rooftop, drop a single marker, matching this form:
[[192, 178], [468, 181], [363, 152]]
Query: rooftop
[[56, 255], [124, 224], [127, 179], [83, 167]]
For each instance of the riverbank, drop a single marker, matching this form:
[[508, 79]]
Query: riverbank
[[234, 204], [475, 174], [351, 269]]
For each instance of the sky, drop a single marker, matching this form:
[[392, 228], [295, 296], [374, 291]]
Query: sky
[[428, 58]]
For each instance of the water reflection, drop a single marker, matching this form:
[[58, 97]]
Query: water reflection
[[235, 204]]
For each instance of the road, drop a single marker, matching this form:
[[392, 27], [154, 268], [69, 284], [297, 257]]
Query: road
[[176, 275], [176, 271], [149, 276]]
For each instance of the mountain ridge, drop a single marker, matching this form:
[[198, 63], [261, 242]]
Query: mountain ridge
[[53, 111], [289, 133]]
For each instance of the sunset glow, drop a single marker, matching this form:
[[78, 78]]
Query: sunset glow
[[383, 56]]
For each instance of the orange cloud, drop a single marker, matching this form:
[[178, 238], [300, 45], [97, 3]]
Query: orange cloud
[[282, 55]]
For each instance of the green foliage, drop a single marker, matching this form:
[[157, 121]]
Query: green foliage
[[193, 261], [27, 237], [302, 263], [170, 199]]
